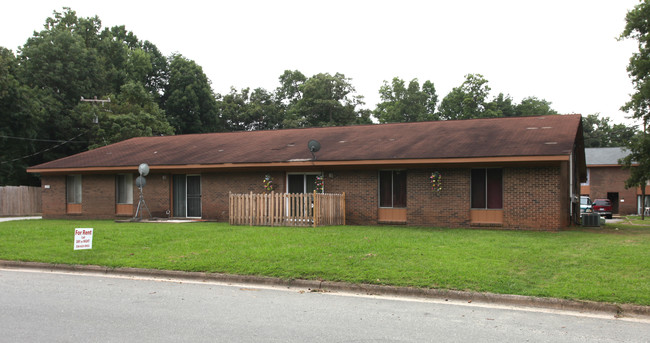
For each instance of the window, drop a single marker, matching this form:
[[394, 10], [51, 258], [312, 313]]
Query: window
[[588, 176], [487, 188], [301, 183], [392, 188], [124, 189], [73, 189]]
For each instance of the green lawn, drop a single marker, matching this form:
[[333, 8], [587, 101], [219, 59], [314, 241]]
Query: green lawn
[[611, 264]]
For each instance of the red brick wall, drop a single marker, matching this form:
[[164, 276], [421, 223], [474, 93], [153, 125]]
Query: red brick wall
[[361, 194], [612, 179], [157, 194], [54, 201], [531, 200], [97, 197], [448, 208], [215, 189]]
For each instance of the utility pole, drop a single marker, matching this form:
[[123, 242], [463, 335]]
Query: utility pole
[[95, 100]]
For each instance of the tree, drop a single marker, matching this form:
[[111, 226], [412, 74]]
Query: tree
[[321, 100], [599, 133], [502, 105], [467, 101], [189, 102], [638, 162], [73, 58], [532, 106], [21, 114], [57, 61], [158, 76], [406, 104], [290, 82], [248, 111], [638, 27], [134, 112]]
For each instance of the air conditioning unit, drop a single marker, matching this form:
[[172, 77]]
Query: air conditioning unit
[[591, 219]]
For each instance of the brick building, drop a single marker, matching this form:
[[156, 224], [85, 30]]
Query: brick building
[[606, 180], [521, 173]]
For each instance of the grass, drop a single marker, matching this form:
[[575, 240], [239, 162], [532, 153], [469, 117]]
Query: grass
[[610, 264], [637, 220]]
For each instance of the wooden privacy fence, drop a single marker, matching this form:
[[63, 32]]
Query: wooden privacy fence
[[20, 200], [284, 209]]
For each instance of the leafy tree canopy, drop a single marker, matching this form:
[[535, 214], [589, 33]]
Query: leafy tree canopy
[[249, 111], [21, 115], [600, 132], [132, 113], [638, 27], [469, 100], [532, 106], [69, 59], [321, 100], [190, 104], [401, 103]]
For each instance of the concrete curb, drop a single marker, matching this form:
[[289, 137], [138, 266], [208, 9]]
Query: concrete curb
[[616, 310]]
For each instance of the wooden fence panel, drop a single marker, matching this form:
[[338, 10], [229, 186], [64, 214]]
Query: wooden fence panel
[[20, 201], [283, 209]]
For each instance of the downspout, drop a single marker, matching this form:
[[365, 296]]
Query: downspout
[[571, 195]]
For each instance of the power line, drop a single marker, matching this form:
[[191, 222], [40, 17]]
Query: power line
[[42, 151], [41, 140]]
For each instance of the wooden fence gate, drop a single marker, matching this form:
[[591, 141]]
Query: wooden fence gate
[[283, 209], [20, 201]]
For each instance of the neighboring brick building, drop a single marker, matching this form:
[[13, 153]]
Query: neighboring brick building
[[521, 173], [606, 180]]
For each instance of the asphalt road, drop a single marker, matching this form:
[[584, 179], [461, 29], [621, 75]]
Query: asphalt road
[[37, 306]]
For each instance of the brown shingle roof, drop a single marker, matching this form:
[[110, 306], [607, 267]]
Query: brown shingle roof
[[495, 137]]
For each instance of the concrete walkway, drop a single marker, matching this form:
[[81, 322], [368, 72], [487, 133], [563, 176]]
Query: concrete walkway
[[6, 219]]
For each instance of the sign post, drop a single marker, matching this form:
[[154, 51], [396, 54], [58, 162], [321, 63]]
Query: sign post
[[83, 239]]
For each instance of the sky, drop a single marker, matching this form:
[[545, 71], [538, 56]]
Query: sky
[[563, 51]]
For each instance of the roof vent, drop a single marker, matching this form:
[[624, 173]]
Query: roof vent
[[532, 128], [550, 143]]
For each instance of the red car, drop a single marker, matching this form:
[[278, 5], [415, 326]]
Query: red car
[[603, 207]]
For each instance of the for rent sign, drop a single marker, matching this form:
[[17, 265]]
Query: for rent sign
[[83, 239]]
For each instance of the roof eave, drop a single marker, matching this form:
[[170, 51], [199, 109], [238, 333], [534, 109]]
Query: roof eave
[[314, 163]]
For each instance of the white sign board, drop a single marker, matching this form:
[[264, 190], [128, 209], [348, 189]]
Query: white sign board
[[83, 239]]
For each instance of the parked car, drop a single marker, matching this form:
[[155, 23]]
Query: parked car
[[603, 207], [586, 205]]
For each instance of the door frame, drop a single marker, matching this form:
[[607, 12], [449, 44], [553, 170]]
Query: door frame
[[185, 198]]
